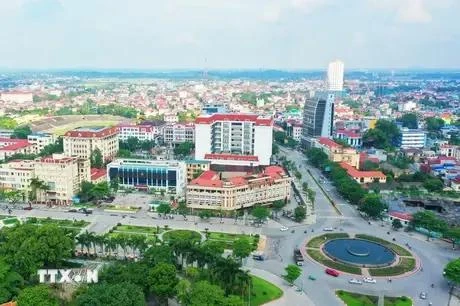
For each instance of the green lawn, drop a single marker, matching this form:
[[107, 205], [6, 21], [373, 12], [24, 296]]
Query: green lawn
[[263, 292], [146, 230], [64, 223], [121, 208], [356, 299], [397, 301], [4, 217], [405, 265], [319, 257], [228, 238], [10, 221], [396, 248], [182, 234], [318, 241]]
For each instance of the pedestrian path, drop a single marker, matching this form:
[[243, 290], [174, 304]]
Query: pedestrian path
[[290, 295]]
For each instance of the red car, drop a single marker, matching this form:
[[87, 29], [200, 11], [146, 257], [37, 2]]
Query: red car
[[332, 272]]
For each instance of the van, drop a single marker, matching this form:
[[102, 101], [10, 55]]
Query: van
[[332, 272]]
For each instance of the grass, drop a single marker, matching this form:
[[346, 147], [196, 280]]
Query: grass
[[228, 239], [405, 265], [397, 301], [4, 217], [182, 234], [396, 248], [10, 221], [319, 257], [318, 241], [145, 230], [263, 292], [64, 223], [356, 299], [121, 208]]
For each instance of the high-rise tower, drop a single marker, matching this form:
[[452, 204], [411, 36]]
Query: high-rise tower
[[335, 76]]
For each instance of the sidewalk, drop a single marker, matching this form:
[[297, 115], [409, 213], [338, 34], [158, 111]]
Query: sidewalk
[[290, 295]]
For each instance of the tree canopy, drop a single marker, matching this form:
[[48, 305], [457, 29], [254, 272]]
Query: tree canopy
[[428, 220], [372, 205], [452, 271], [409, 120], [22, 132], [97, 161], [383, 136], [37, 295], [184, 148], [260, 213], [104, 294], [292, 273]]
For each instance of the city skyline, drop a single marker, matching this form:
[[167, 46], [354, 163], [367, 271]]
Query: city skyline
[[287, 35]]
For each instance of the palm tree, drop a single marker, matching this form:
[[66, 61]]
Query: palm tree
[[36, 185], [81, 240]]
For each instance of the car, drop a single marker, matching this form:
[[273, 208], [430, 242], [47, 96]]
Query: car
[[355, 281], [328, 229], [283, 228], [311, 277], [28, 208], [423, 295], [72, 210], [332, 272], [369, 280]]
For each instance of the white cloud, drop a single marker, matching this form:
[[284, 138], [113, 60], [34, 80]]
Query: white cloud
[[413, 11]]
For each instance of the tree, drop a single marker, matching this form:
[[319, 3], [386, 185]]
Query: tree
[[184, 148], [37, 295], [242, 248], [454, 234], [104, 294], [162, 280], [409, 121], [396, 224], [203, 293], [197, 173], [278, 205], [8, 123], [10, 282], [292, 273], [85, 192], [300, 213], [124, 153], [115, 184], [260, 213], [133, 143], [182, 208], [164, 208], [158, 254], [311, 195], [96, 159], [382, 136], [204, 214], [316, 157], [183, 290], [452, 271], [372, 206], [21, 132], [369, 166], [428, 220], [434, 125], [27, 247], [275, 149], [433, 184]]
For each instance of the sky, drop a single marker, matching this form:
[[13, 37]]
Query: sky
[[229, 34]]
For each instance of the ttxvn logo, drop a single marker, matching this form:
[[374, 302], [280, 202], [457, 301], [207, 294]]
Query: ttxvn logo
[[67, 276]]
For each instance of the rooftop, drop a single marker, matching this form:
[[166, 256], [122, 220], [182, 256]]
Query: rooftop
[[328, 142], [239, 117], [89, 132], [358, 174], [97, 173], [228, 156], [15, 144]]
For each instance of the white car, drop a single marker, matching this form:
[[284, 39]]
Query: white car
[[328, 229], [283, 228], [355, 281], [369, 280]]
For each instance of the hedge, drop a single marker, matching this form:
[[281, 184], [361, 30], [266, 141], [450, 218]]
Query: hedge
[[396, 248], [405, 265], [318, 241], [319, 257]]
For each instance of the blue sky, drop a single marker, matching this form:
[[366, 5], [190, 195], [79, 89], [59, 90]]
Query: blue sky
[[287, 34]]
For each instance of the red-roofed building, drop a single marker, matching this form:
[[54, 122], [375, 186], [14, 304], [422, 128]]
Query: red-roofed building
[[405, 218], [352, 137], [141, 132], [82, 142], [364, 177], [9, 147], [210, 191], [234, 139], [336, 152], [98, 175]]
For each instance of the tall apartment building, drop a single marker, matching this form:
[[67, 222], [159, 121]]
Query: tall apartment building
[[82, 142], [63, 175], [178, 133], [234, 139], [40, 141], [209, 191], [141, 132], [412, 138], [335, 72], [318, 116], [16, 175], [169, 176]]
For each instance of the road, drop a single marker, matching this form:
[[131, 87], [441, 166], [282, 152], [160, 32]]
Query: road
[[433, 255]]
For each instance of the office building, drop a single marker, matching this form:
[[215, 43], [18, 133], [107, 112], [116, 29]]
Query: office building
[[210, 109], [412, 138], [178, 133], [16, 175], [196, 167], [318, 115], [336, 152], [141, 132], [352, 137], [83, 141], [210, 191], [234, 139], [10, 147], [169, 176], [63, 175], [335, 72], [40, 140], [294, 129]]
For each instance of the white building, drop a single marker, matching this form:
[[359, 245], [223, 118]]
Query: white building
[[170, 176], [178, 133], [141, 132], [412, 138], [19, 97], [335, 72], [40, 141], [171, 118], [234, 139], [82, 142]]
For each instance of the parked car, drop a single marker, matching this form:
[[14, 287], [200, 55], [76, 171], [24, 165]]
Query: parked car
[[283, 228], [258, 256], [328, 229], [355, 281], [72, 210], [27, 208], [332, 272], [369, 280], [423, 295]]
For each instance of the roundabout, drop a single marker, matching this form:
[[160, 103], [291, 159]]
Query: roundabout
[[360, 255]]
